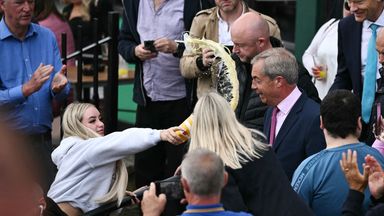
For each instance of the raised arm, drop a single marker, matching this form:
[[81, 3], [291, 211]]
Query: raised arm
[[117, 145]]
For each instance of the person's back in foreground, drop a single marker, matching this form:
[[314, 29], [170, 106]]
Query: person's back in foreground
[[318, 179]]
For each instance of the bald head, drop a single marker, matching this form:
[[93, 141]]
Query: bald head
[[252, 25], [250, 36], [380, 45]]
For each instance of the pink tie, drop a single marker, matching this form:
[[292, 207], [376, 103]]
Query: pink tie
[[273, 126]]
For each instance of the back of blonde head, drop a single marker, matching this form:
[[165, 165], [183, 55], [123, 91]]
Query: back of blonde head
[[72, 126], [216, 128]]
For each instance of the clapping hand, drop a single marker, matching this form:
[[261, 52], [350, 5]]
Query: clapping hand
[[373, 174], [355, 179], [39, 77], [376, 177], [60, 80]]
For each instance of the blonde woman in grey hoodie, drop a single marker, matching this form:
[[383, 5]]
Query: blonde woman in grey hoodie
[[90, 166]]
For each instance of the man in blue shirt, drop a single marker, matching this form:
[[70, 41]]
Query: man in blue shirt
[[319, 179], [31, 75], [203, 178]]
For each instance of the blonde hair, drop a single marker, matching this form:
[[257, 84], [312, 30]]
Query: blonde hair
[[72, 126], [216, 128]]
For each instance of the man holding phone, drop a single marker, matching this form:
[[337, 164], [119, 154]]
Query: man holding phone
[[147, 38]]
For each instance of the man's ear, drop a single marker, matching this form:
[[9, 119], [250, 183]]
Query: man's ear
[[42, 204], [262, 41], [225, 178], [2, 6], [279, 81], [359, 125], [321, 123], [185, 185]]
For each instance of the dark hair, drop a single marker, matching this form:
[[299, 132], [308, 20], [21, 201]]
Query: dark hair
[[346, 6], [43, 8], [275, 42], [340, 111]]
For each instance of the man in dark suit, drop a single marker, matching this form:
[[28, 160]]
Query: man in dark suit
[[291, 123], [354, 34]]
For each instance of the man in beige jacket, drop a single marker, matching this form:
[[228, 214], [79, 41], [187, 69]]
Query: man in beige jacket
[[214, 24]]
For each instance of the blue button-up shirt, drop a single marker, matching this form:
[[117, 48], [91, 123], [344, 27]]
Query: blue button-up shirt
[[18, 61]]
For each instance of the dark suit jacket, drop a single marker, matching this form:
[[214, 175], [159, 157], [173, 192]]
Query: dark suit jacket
[[261, 187], [349, 56], [300, 135]]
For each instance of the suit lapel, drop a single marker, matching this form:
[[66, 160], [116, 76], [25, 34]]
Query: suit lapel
[[267, 123], [356, 52], [290, 121], [351, 38]]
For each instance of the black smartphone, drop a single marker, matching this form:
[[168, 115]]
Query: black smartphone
[[148, 45], [171, 187]]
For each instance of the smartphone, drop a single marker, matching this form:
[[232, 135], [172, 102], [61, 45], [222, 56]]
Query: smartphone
[[148, 45], [171, 187]]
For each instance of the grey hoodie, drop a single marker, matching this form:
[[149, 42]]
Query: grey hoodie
[[86, 167]]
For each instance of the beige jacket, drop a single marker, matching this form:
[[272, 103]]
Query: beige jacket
[[205, 24]]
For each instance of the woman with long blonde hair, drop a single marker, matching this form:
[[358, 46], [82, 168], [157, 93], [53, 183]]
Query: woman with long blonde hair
[[256, 180], [90, 166]]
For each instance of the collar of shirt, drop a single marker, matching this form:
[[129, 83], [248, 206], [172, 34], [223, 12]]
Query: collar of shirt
[[5, 32], [224, 29], [205, 208], [221, 20], [365, 36], [286, 105], [379, 22]]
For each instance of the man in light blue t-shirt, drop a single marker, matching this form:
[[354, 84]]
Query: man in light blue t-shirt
[[319, 179]]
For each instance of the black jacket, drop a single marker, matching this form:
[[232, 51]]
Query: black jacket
[[262, 188], [353, 205], [250, 110], [348, 58], [129, 38], [305, 83]]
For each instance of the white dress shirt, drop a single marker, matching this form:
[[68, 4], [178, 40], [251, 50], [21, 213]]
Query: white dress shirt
[[224, 30]]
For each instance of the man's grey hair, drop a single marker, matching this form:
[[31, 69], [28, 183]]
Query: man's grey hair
[[204, 172], [279, 62]]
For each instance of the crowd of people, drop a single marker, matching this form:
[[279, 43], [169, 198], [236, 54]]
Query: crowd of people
[[302, 139]]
